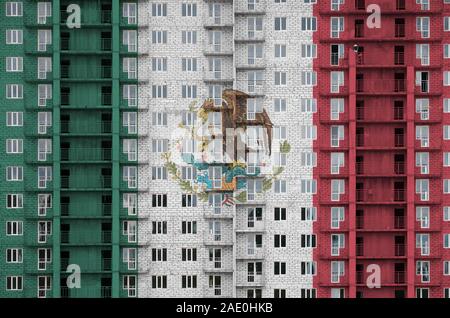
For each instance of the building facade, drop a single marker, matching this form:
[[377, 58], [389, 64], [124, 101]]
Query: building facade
[[223, 148]]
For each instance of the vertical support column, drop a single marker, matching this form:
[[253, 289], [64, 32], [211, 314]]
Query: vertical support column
[[410, 183], [115, 148], [352, 173], [56, 97]]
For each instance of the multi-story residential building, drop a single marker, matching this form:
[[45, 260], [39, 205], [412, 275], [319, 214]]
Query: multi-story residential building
[[225, 148]]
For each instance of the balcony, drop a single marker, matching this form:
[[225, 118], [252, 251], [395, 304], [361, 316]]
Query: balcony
[[250, 253], [92, 211], [100, 292], [219, 212], [85, 127], [381, 251], [371, 196], [217, 77], [251, 36], [95, 47], [85, 154], [93, 183], [67, 102], [85, 238], [219, 265], [250, 280], [93, 266], [399, 278], [72, 73], [371, 60], [219, 239], [103, 18], [380, 87], [250, 7]]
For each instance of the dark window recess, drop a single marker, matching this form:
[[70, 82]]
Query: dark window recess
[[399, 28], [359, 28], [106, 96], [399, 55], [65, 96]]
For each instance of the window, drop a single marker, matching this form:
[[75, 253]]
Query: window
[[280, 186], [308, 132], [130, 12], [129, 284], [422, 189], [337, 135], [44, 230], [159, 9], [279, 293], [159, 200], [423, 108], [308, 268], [14, 36], [308, 50], [129, 176], [159, 227], [423, 216], [44, 67], [188, 200], [14, 255], [189, 227], [159, 254], [129, 258], [129, 39], [14, 119], [14, 173], [308, 24], [280, 24], [254, 106], [14, 146], [14, 201], [188, 37], [159, 91], [44, 93], [44, 39], [422, 134], [14, 283], [279, 268], [308, 214], [423, 53], [446, 24], [44, 122], [446, 78], [423, 270], [446, 107], [308, 78], [189, 64], [446, 268], [44, 11], [159, 173], [446, 51], [160, 145], [129, 66], [337, 189], [279, 240], [423, 243], [189, 9], [188, 281], [422, 161], [14, 228], [446, 210], [280, 78], [337, 216], [336, 108], [189, 254], [189, 91], [44, 203], [280, 50], [337, 80], [308, 105], [279, 214], [308, 186], [130, 94], [446, 240], [308, 240], [337, 26], [14, 9], [254, 26], [14, 64], [159, 37], [14, 91], [130, 203], [44, 257], [336, 162], [337, 271], [308, 159], [422, 292], [423, 26], [337, 243]]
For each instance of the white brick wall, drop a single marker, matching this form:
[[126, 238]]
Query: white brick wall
[[234, 279]]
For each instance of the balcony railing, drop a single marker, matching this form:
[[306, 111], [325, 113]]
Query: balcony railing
[[85, 127], [364, 195], [93, 210], [380, 86], [71, 72], [399, 249], [85, 154], [399, 140], [360, 222], [103, 182], [360, 168], [104, 238], [359, 249], [399, 31], [399, 277], [101, 292]]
